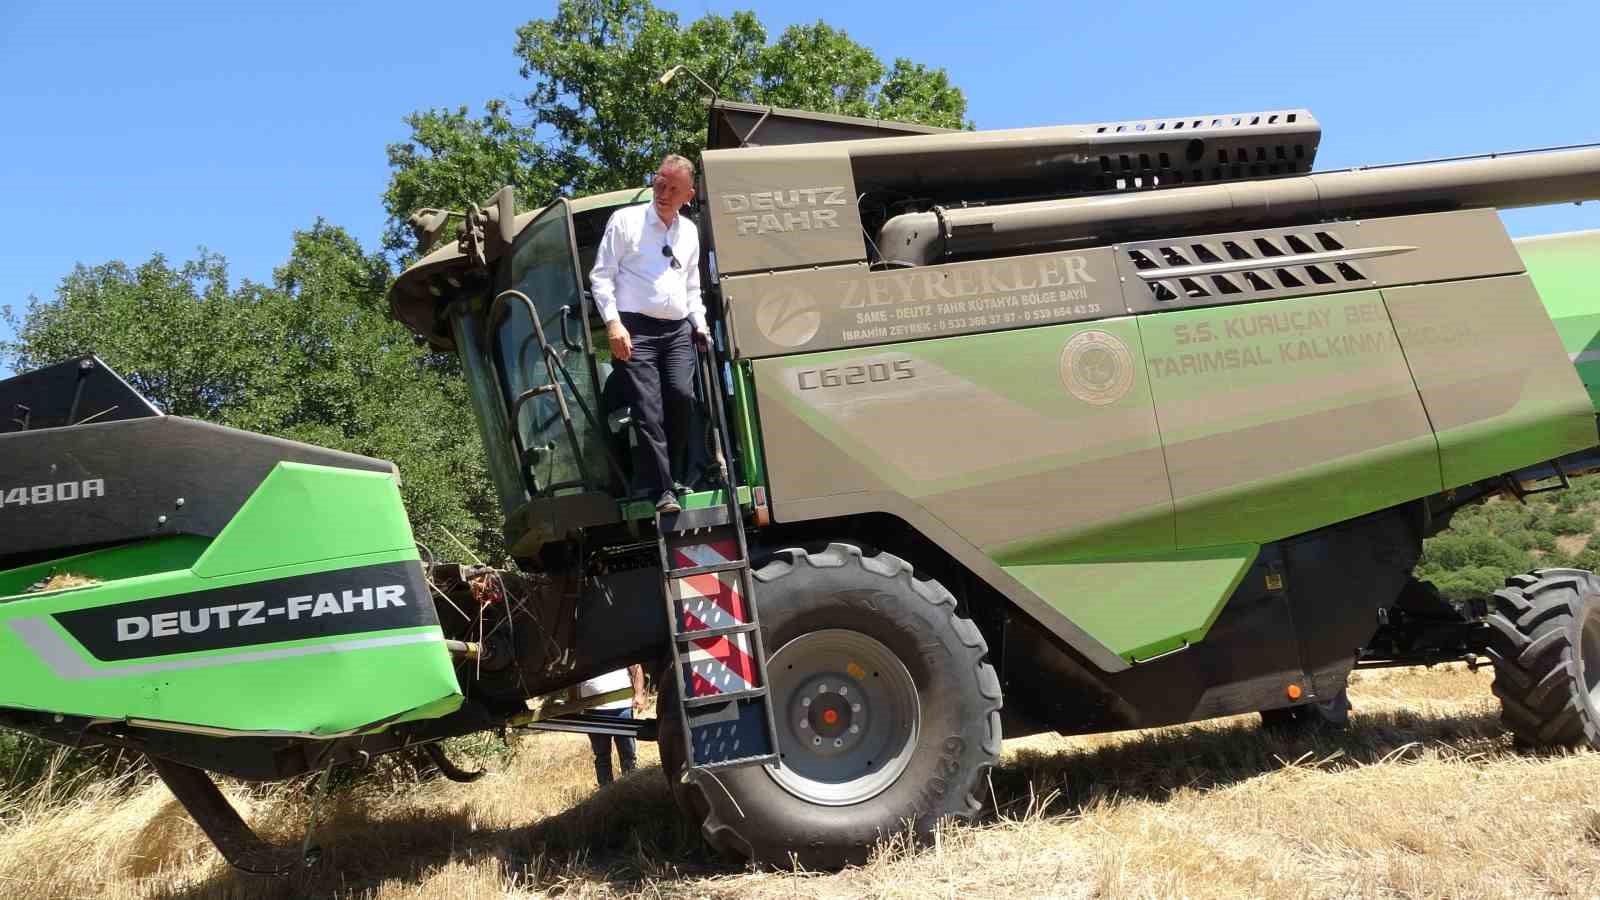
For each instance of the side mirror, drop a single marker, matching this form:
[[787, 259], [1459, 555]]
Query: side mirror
[[490, 228], [428, 225], [504, 215]]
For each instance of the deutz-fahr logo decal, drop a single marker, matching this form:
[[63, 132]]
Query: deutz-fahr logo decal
[[1097, 367], [347, 601], [788, 318], [253, 613], [805, 209]]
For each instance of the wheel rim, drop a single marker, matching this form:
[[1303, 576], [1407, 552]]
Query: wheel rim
[[1589, 652], [848, 715]]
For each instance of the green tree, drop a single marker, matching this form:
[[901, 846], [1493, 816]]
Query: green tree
[[312, 357], [453, 158], [594, 117], [178, 334]]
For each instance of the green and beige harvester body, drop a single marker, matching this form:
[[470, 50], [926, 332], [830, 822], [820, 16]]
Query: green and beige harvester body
[[1077, 429]]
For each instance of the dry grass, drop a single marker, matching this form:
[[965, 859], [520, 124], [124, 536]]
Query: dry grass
[[1423, 796], [1573, 544]]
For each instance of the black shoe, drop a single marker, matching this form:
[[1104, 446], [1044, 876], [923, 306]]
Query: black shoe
[[668, 503]]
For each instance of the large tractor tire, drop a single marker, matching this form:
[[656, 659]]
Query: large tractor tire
[[1545, 644], [887, 714]]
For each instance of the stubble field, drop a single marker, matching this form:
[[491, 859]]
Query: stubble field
[[1423, 796]]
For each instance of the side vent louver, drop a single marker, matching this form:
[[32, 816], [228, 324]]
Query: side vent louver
[[1254, 265]]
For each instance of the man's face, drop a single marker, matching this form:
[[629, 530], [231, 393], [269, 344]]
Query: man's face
[[672, 190]]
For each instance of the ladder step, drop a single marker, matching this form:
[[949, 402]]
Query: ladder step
[[730, 733], [708, 570], [684, 637], [689, 520], [692, 702]]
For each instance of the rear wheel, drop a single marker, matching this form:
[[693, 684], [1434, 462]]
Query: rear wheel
[[1545, 644], [887, 714]]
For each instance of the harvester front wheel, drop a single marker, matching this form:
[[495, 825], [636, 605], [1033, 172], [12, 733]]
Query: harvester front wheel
[[1545, 644], [887, 714]]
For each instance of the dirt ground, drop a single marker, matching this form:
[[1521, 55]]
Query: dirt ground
[[1423, 796]]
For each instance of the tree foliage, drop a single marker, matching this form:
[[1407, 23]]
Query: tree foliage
[[312, 357], [1487, 543], [453, 157], [595, 119]]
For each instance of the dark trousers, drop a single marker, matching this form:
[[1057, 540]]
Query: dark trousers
[[660, 386], [627, 753]]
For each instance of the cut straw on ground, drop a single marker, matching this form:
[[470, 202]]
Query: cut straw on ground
[[1423, 796]]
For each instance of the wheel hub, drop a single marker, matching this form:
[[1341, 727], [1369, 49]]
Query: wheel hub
[[847, 714], [830, 715]]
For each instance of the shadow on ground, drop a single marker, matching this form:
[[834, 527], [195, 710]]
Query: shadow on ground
[[623, 835], [1152, 765], [630, 834]]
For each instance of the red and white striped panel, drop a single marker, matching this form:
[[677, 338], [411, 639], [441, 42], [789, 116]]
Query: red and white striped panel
[[719, 665], [712, 600]]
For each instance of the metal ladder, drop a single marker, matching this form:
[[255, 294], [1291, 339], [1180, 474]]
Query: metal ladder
[[717, 655]]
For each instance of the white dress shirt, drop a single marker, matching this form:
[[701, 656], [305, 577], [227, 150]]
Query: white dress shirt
[[631, 274], [605, 684]]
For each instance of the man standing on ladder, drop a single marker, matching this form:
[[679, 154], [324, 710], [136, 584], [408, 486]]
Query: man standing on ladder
[[646, 284]]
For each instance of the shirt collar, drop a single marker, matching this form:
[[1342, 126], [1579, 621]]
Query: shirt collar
[[652, 216]]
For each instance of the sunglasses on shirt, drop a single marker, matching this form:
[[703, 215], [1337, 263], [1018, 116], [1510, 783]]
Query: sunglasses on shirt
[[666, 250]]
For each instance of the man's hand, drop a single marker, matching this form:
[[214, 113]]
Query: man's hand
[[636, 676], [621, 343], [702, 339]]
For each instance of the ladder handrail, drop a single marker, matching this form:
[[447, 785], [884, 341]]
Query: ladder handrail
[[553, 364], [711, 374], [706, 359]]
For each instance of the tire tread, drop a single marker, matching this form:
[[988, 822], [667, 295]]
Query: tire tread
[[1537, 675]]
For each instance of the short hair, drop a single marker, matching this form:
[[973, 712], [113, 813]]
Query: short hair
[[682, 164]]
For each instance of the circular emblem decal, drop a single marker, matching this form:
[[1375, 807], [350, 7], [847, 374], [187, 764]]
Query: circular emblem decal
[[1097, 367], [788, 318]]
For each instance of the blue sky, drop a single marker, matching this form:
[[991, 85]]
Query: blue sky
[[133, 129]]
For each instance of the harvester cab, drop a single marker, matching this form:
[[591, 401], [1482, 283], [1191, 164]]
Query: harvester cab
[[519, 313]]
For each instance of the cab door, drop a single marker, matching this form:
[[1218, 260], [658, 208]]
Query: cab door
[[545, 361]]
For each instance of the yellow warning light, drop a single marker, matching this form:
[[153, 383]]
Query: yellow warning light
[[1294, 692]]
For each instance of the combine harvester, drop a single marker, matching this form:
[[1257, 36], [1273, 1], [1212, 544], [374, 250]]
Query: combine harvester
[[1068, 429]]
